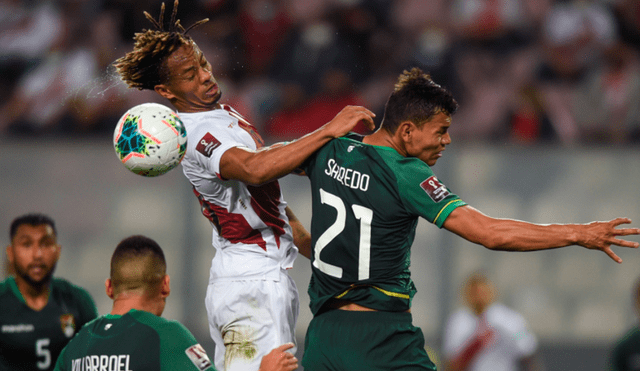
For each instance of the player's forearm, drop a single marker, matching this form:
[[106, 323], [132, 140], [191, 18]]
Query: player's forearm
[[515, 235], [273, 162]]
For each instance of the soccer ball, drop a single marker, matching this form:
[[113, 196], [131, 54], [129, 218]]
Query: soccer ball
[[150, 139]]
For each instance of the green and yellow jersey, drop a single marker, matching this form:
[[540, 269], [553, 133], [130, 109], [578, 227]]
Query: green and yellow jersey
[[136, 341], [366, 204], [32, 340]]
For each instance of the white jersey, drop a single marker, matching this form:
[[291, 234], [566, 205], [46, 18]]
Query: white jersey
[[251, 232], [513, 340]]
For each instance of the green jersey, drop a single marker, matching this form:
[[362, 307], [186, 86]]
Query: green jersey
[[626, 354], [366, 203], [136, 341], [32, 340]]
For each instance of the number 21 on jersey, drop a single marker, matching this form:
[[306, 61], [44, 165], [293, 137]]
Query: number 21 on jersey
[[365, 216]]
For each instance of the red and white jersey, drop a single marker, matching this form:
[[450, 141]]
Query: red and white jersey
[[251, 232]]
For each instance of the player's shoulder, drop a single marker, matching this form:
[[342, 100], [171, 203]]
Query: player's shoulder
[[160, 324], [208, 118], [5, 285], [64, 286]]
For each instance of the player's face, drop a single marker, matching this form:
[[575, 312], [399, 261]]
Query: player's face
[[34, 252], [191, 86], [429, 140]]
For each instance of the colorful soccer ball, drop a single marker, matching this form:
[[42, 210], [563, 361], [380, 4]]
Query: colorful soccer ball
[[150, 139]]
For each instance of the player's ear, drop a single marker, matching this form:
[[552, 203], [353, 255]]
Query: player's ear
[[10, 253], [108, 287], [164, 91], [165, 290], [405, 130]]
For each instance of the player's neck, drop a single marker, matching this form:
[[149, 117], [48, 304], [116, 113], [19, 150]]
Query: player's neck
[[122, 305], [35, 296], [382, 138]]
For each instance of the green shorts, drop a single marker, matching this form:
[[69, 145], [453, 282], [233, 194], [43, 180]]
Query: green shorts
[[346, 340]]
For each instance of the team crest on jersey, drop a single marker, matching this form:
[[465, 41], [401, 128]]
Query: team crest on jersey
[[207, 144], [198, 356], [436, 190], [68, 325]]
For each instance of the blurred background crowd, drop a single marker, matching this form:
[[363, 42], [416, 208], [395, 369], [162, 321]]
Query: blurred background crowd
[[565, 72]]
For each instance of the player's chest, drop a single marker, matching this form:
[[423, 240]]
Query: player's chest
[[21, 326]]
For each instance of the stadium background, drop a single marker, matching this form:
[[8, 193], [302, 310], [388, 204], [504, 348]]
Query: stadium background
[[547, 132]]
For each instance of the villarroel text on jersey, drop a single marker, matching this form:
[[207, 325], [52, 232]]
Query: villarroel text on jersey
[[118, 362], [347, 177]]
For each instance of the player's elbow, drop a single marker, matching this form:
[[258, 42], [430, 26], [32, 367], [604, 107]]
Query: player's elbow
[[257, 174], [493, 240]]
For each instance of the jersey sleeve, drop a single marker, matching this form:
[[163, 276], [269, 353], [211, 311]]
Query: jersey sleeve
[[208, 146], [180, 349], [423, 194]]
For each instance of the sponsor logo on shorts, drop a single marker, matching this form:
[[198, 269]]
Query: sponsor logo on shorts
[[207, 144], [198, 356], [434, 189]]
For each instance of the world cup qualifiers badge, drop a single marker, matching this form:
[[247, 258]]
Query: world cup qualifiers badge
[[434, 189], [207, 144]]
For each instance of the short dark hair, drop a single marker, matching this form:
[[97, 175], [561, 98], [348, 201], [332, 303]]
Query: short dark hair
[[138, 263], [416, 98], [33, 219]]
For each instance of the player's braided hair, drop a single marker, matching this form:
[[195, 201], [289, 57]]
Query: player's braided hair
[[416, 98], [144, 66]]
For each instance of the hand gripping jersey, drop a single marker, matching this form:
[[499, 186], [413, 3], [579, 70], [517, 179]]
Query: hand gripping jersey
[[251, 232], [366, 204], [136, 341], [32, 340]]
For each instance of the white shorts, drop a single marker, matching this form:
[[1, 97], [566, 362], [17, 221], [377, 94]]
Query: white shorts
[[248, 318]]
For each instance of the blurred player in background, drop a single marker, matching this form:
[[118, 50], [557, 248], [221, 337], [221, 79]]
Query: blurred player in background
[[134, 336], [486, 335], [626, 353], [39, 314], [251, 301], [367, 195]]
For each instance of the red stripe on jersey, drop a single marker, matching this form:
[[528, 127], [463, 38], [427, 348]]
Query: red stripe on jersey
[[233, 227], [244, 124], [265, 200]]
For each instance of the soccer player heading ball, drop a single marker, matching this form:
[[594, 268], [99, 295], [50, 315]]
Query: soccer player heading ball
[[234, 178]]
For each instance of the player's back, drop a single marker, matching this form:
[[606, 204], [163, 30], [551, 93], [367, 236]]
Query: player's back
[[137, 340], [366, 204], [249, 222]]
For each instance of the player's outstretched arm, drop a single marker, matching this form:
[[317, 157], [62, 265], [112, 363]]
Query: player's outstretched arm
[[515, 235], [279, 360], [269, 163]]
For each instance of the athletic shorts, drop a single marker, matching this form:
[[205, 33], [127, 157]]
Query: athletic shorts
[[351, 340], [248, 318]]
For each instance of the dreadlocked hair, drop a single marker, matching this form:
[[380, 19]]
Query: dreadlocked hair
[[416, 98], [144, 66]]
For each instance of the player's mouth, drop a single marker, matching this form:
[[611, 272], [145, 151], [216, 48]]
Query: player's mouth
[[37, 270], [213, 90]]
